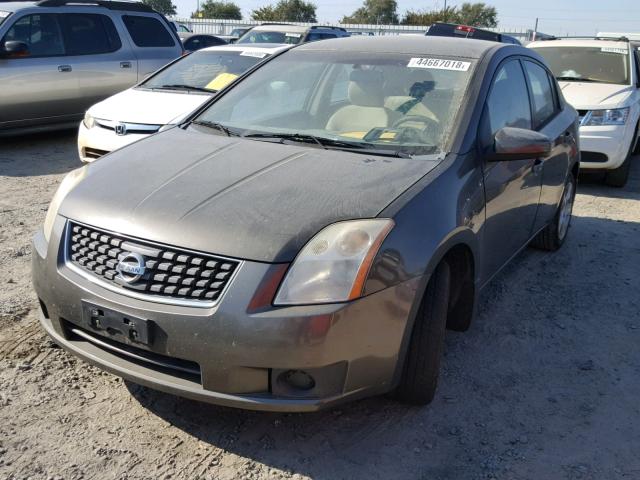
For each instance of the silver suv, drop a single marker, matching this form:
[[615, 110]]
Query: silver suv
[[57, 57]]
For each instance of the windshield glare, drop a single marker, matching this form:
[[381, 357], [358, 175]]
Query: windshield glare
[[595, 64], [210, 70], [369, 100], [256, 36]]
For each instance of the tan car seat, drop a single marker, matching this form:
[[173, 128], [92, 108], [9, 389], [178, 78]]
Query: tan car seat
[[367, 111]]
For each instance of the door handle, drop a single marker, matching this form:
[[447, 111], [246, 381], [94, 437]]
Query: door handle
[[64, 68], [537, 165], [125, 64]]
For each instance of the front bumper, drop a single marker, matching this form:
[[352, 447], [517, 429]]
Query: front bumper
[[98, 141], [611, 144], [351, 350]]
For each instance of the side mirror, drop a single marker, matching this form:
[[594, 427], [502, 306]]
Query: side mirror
[[13, 48], [519, 144]]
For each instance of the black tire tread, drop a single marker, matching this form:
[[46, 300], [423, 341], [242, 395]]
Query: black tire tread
[[422, 363], [548, 238]]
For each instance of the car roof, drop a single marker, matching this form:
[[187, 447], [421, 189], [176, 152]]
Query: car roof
[[418, 45], [280, 27], [579, 42], [269, 48], [15, 6]]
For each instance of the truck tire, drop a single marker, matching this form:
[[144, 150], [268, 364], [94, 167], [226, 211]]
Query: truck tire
[[554, 234], [422, 363]]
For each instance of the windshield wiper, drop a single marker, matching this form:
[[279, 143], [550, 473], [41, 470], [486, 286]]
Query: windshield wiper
[[216, 126], [575, 79], [187, 87], [329, 143]]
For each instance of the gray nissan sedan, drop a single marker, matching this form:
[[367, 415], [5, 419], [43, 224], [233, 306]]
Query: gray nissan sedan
[[308, 235]]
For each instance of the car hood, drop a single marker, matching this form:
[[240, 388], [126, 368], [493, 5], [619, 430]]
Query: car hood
[[235, 197], [587, 96], [152, 107]]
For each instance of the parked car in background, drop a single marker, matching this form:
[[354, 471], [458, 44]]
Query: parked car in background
[[197, 41], [292, 34], [295, 244], [180, 27], [165, 97], [601, 79], [464, 31], [58, 57]]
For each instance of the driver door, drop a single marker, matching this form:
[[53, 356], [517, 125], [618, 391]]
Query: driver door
[[512, 188]]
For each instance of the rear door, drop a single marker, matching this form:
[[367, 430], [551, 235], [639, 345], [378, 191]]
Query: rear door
[[102, 63], [38, 88], [560, 128], [512, 188], [154, 44]]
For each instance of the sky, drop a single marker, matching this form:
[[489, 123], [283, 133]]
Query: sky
[[556, 17]]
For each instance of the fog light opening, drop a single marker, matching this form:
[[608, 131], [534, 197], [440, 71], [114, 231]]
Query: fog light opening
[[298, 379]]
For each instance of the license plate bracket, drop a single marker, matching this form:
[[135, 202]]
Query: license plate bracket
[[117, 325]]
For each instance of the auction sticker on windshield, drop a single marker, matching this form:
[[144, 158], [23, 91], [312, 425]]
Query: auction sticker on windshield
[[253, 53], [439, 64], [622, 51]]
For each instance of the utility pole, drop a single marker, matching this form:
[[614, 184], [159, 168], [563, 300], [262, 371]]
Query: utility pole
[[535, 30]]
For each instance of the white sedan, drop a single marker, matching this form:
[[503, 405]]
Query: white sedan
[[164, 98]]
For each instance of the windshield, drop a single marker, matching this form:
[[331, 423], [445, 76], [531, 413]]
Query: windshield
[[261, 36], [588, 64], [3, 16], [206, 70], [397, 102]]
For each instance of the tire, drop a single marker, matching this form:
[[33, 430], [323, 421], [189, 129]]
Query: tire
[[618, 176], [422, 363], [554, 234]]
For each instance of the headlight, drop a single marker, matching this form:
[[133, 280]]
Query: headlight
[[335, 263], [88, 120], [68, 182], [614, 116]]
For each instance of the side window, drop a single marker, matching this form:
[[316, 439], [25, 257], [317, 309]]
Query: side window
[[313, 36], [147, 31], [544, 104], [340, 90], [89, 34], [41, 32], [508, 101]]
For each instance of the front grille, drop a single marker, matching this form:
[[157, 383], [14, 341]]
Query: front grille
[[94, 152], [169, 273]]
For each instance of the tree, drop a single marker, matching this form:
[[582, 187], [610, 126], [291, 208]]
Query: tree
[[165, 7], [473, 14], [218, 9], [286, 11], [424, 17], [478, 15], [374, 12]]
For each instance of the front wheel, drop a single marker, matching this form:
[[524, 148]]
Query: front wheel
[[554, 234], [422, 363]]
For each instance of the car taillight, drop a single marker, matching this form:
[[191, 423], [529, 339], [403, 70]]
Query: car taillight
[[465, 28]]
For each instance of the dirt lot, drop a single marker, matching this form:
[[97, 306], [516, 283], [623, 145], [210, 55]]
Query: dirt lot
[[545, 385]]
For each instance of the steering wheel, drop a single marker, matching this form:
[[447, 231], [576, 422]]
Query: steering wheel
[[428, 132]]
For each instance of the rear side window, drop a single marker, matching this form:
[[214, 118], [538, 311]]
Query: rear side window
[[148, 31], [313, 36], [544, 104], [41, 33], [508, 102], [89, 34]]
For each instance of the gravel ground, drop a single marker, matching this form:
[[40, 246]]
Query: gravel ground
[[544, 385]]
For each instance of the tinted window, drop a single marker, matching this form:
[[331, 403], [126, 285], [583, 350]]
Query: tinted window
[[544, 105], [313, 36], [148, 31], [262, 36], [88, 34], [201, 41], [3, 16], [508, 102], [41, 33]]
